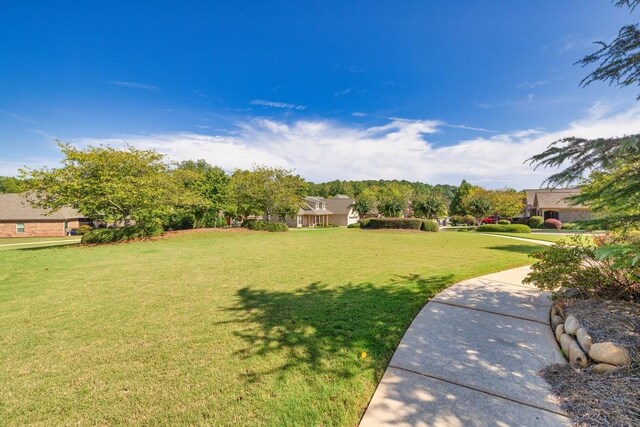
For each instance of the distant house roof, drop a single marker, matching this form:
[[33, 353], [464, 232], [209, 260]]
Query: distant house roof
[[15, 207], [554, 198], [340, 204], [307, 209]]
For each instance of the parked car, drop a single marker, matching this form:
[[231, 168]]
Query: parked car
[[488, 220]]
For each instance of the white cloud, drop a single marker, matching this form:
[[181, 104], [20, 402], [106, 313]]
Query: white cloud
[[398, 149], [359, 114], [275, 104], [343, 92], [134, 85]]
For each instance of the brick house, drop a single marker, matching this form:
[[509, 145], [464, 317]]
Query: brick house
[[552, 203], [19, 219], [319, 211]]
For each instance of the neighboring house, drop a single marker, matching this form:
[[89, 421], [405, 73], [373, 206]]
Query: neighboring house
[[317, 211], [552, 203], [19, 219]]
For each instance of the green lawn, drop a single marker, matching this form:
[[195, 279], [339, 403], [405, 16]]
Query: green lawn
[[547, 237], [11, 240], [223, 328]]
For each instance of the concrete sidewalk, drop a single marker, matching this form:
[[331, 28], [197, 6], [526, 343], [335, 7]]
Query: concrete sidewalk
[[471, 357]]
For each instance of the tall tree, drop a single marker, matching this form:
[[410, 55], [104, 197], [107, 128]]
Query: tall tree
[[618, 61], [477, 203], [104, 182], [10, 184], [430, 205], [393, 199], [365, 202], [267, 191], [457, 205], [507, 202]]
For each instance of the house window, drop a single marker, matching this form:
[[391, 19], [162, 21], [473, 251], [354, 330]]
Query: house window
[[20, 227]]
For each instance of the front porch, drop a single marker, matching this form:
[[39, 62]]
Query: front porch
[[312, 220]]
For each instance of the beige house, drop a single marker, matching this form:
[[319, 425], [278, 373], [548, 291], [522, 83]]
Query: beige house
[[19, 219], [318, 211], [552, 203]]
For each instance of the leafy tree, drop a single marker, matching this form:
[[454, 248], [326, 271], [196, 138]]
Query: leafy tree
[[457, 204], [106, 183], [430, 205], [393, 200], [365, 202], [209, 182], [267, 191], [10, 184], [477, 203], [506, 202], [618, 61]]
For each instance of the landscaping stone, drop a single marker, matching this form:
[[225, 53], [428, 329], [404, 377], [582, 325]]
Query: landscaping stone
[[559, 331], [604, 368], [565, 343], [577, 356], [555, 321], [608, 352], [584, 339], [571, 325]]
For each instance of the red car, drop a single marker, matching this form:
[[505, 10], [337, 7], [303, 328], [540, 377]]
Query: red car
[[488, 220]]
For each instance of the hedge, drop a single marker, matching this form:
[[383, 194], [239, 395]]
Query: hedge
[[504, 222], [496, 228], [400, 224], [266, 226], [111, 235]]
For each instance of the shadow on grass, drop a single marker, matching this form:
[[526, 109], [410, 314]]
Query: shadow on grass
[[326, 328], [520, 249]]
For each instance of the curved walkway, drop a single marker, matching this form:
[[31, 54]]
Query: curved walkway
[[471, 357]]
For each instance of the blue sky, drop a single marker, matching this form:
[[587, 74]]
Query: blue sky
[[430, 91]]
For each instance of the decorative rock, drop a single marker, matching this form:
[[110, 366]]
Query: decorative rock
[[560, 309], [603, 368], [608, 352], [559, 331], [584, 339], [565, 343], [554, 310], [555, 321], [571, 325], [576, 355]]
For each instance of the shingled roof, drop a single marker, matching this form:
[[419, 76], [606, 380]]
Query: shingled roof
[[556, 198], [15, 207]]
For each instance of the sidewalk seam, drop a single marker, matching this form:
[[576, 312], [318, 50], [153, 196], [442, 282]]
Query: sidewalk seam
[[478, 390], [490, 312]]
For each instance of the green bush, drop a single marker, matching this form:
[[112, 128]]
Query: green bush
[[456, 220], [112, 235], [504, 222], [395, 223], [569, 226], [364, 223], [428, 225], [536, 222], [497, 228], [469, 220], [593, 271], [554, 224], [84, 229], [327, 226], [266, 226], [356, 225]]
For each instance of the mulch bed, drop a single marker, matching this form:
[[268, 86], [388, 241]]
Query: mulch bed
[[602, 399]]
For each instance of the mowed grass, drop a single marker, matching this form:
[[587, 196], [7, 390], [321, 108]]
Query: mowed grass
[[551, 237], [220, 328], [11, 243]]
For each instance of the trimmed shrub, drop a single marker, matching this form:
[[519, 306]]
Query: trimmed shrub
[[327, 226], [504, 222], [428, 225], [364, 223], [554, 224], [396, 223], [267, 226], [497, 228], [84, 229], [536, 222], [569, 226], [112, 235], [356, 225], [469, 220], [456, 219]]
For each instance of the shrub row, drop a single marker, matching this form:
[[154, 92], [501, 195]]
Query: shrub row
[[512, 228], [111, 235], [504, 222], [355, 225], [327, 226], [399, 224], [553, 224], [266, 226]]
